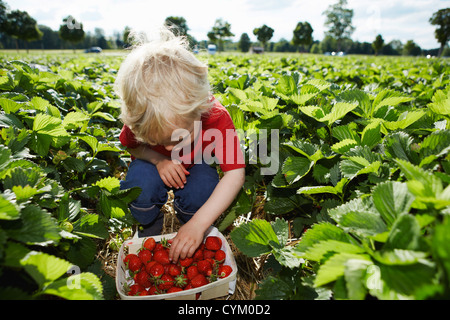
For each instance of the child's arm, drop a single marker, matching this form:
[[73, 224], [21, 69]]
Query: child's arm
[[172, 174], [191, 234]]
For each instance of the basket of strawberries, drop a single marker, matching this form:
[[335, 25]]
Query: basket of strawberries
[[145, 272]]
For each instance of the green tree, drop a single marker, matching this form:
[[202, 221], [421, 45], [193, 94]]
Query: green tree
[[244, 42], [302, 34], [179, 23], [20, 25], [126, 34], [378, 44], [71, 30], [263, 34], [411, 49], [441, 19], [339, 21], [220, 32]]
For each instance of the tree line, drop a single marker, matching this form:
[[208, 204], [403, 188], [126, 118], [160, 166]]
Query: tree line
[[19, 30]]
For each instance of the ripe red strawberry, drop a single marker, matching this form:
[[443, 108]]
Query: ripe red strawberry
[[174, 270], [145, 256], [144, 293], [220, 256], [156, 270], [204, 267], [188, 286], [174, 289], [166, 282], [186, 262], [213, 243], [133, 262], [143, 278], [224, 271], [181, 281], [207, 254], [199, 280], [153, 290], [149, 244], [191, 272], [135, 290], [161, 256], [149, 265], [198, 255]]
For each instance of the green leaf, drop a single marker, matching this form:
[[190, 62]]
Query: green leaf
[[440, 246], [358, 216], [371, 134], [36, 227], [344, 146], [44, 268], [392, 199], [334, 267], [295, 168], [440, 103], [281, 229], [321, 232], [398, 145], [405, 234], [253, 238], [82, 286], [111, 184], [318, 250], [354, 274], [8, 211]]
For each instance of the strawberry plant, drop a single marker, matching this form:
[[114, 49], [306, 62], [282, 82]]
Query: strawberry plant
[[60, 197], [356, 206], [364, 167]]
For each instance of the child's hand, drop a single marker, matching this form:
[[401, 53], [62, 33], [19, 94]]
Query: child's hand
[[187, 240], [172, 174]]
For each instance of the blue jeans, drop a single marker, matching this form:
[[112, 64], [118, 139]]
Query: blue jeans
[[200, 184]]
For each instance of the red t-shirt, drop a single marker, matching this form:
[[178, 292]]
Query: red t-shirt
[[218, 138]]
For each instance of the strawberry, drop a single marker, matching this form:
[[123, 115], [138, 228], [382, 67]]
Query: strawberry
[[142, 278], [149, 265], [204, 267], [198, 255], [220, 256], [133, 262], [149, 244], [186, 262], [166, 282], [161, 256], [224, 271], [208, 254], [143, 293], [145, 256], [181, 280], [135, 289], [174, 270], [174, 289], [199, 280], [191, 272], [188, 286], [153, 290], [213, 243], [156, 270]]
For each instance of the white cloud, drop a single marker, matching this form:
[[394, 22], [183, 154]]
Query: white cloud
[[394, 19]]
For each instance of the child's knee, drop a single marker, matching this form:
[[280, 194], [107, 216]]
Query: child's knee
[[144, 175]]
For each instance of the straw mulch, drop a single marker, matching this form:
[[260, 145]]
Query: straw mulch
[[250, 270]]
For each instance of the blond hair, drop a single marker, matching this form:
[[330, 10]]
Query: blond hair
[[161, 83]]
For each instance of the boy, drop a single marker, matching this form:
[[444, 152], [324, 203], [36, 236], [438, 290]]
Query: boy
[[169, 114]]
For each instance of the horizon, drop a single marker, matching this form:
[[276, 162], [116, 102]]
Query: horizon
[[393, 19]]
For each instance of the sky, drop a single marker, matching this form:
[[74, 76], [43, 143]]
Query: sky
[[393, 19]]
